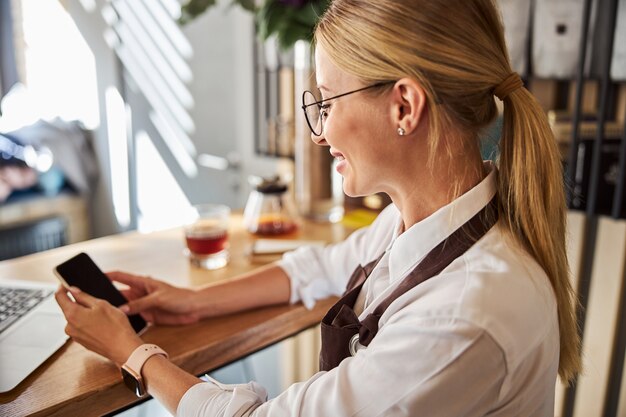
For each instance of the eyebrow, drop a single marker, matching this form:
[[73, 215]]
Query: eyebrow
[[323, 87]]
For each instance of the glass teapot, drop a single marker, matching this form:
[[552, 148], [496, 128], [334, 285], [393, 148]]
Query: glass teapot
[[269, 210]]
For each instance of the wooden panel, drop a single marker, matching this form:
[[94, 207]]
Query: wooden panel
[[601, 317], [590, 97], [621, 410], [575, 230], [621, 104], [545, 92]]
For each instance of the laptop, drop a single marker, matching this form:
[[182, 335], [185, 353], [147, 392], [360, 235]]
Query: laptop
[[32, 328]]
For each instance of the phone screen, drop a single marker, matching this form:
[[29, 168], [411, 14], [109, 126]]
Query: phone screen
[[80, 271]]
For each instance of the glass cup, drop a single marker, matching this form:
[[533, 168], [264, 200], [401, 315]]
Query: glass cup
[[206, 235]]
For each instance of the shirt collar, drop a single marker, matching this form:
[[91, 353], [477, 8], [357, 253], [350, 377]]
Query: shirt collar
[[409, 248]]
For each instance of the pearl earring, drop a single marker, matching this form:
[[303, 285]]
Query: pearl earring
[[401, 131]]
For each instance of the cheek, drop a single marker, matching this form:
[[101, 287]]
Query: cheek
[[368, 135], [358, 123]]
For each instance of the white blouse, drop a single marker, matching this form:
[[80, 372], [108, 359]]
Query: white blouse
[[479, 339]]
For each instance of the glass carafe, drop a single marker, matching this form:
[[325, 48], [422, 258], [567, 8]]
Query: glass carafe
[[269, 210]]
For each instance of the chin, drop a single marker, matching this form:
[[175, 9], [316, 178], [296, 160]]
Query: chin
[[351, 190], [352, 194], [347, 190]]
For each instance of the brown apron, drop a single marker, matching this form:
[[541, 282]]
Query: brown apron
[[342, 332]]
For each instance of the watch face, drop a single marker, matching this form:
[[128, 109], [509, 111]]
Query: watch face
[[133, 383]]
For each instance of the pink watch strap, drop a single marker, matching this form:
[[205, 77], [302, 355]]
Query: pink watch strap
[[141, 355]]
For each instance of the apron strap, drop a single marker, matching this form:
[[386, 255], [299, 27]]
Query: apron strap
[[435, 261], [361, 273]]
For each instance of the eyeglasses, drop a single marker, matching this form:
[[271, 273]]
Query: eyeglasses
[[315, 110]]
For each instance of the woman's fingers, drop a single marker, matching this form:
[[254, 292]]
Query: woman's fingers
[[64, 301], [80, 300], [83, 298], [128, 279], [140, 304], [91, 321], [155, 300]]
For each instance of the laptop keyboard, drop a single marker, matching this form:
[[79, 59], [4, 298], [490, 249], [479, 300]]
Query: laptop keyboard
[[15, 302]]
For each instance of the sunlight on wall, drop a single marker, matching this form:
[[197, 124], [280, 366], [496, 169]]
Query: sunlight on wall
[[160, 199], [118, 150], [154, 51], [176, 144], [60, 67]]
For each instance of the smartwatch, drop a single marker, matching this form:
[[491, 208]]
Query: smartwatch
[[131, 370]]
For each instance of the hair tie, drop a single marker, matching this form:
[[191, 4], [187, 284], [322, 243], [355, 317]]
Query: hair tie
[[511, 83]]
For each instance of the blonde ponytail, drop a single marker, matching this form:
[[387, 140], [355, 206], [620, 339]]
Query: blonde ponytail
[[530, 187], [459, 58]]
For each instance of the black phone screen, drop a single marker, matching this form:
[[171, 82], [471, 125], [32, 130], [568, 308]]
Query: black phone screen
[[80, 271]]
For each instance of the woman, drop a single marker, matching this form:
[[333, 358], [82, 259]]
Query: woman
[[463, 305]]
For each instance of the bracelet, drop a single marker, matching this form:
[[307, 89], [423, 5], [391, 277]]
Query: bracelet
[[131, 370], [138, 358]]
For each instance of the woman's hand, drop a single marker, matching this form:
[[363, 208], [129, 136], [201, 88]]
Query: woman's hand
[[97, 325], [156, 301]]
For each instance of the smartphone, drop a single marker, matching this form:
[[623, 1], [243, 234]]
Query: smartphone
[[82, 272]]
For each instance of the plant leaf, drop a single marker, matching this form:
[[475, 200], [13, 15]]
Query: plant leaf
[[270, 17], [311, 13], [194, 8], [248, 5]]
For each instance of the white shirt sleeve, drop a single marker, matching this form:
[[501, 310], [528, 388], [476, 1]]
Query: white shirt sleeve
[[420, 367], [317, 273], [213, 398]]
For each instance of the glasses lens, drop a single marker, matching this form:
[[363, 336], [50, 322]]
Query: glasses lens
[[312, 112]]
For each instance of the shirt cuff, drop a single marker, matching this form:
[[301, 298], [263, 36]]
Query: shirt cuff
[[302, 272], [213, 398]]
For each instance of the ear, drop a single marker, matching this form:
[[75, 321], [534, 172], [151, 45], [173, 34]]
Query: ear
[[408, 101]]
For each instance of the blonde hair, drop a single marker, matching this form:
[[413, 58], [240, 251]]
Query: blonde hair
[[456, 51]]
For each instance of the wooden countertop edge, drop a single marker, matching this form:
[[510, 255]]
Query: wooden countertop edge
[[214, 355]]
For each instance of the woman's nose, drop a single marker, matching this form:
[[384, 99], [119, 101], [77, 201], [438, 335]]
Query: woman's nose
[[319, 140]]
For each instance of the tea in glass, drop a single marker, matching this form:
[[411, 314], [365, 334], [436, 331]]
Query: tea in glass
[[206, 236]]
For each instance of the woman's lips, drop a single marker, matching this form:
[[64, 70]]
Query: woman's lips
[[337, 155], [341, 161], [341, 165]]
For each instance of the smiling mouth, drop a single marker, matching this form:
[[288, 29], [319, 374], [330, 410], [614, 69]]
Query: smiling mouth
[[338, 156]]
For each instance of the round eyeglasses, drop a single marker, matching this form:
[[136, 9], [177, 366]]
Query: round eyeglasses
[[315, 111]]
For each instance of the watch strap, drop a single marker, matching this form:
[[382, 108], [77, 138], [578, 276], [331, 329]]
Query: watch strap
[[138, 358]]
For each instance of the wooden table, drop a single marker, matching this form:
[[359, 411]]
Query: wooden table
[[76, 382]]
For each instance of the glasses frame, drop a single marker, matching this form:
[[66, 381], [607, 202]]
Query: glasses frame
[[321, 106]]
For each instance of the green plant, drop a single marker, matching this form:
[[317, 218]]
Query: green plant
[[289, 20]]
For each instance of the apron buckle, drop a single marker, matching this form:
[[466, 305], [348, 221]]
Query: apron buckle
[[354, 345]]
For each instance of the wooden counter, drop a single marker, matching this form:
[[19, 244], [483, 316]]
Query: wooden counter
[[77, 382]]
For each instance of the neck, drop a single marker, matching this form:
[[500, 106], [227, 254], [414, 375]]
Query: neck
[[438, 187]]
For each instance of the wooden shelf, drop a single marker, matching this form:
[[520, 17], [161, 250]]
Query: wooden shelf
[[67, 205]]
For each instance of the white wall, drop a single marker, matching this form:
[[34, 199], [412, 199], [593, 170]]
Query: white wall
[[222, 113]]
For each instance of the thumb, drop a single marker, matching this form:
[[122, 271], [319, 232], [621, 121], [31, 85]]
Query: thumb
[[82, 297], [140, 304]]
